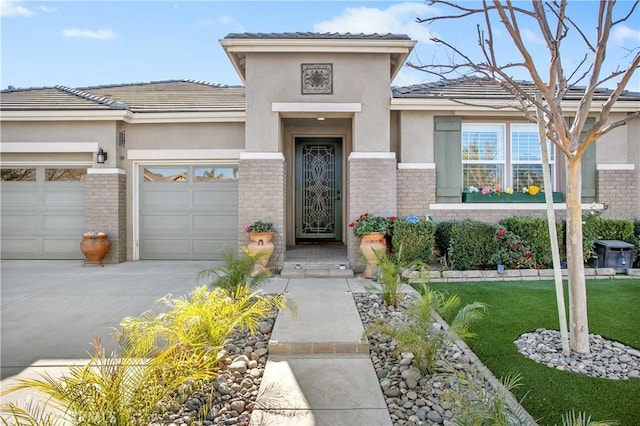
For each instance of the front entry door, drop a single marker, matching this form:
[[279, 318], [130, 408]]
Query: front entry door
[[318, 189]]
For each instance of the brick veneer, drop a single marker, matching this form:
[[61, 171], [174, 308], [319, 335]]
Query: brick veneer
[[416, 190], [262, 196], [617, 190], [372, 188], [106, 209]]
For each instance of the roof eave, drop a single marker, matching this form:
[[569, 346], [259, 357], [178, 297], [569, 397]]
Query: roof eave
[[64, 115], [491, 106]]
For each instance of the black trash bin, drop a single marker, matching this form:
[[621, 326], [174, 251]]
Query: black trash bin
[[613, 254]]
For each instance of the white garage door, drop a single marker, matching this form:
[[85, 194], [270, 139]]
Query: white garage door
[[188, 212], [43, 212]]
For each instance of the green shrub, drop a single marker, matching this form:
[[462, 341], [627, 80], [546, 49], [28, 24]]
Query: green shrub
[[534, 233], [595, 228], [466, 244], [412, 241]]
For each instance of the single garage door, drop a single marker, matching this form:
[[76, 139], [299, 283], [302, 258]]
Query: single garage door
[[188, 212], [43, 212]]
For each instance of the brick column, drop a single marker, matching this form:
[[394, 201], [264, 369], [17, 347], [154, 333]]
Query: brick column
[[106, 209], [616, 189], [416, 188], [262, 196], [372, 188]]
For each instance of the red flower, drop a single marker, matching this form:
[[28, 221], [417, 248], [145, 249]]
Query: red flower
[[518, 246], [528, 255], [393, 218], [363, 215], [352, 224], [500, 232]]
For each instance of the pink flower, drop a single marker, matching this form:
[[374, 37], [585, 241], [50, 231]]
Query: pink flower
[[485, 190], [246, 228], [497, 188]]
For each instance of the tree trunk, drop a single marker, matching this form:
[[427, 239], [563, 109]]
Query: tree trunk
[[579, 333]]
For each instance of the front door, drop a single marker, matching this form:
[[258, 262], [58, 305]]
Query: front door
[[318, 189]]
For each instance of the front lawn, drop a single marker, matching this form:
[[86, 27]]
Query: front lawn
[[517, 307]]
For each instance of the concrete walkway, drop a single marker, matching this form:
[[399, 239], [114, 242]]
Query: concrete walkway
[[318, 373]]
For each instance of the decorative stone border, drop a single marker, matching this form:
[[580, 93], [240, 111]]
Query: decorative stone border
[[514, 275]]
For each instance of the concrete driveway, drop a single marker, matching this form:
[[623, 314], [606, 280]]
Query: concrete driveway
[[52, 309]]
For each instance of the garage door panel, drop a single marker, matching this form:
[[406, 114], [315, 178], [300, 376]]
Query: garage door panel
[[66, 199], [20, 248], [56, 222], [62, 248], [203, 249], [15, 199], [167, 249], [226, 197], [19, 224], [174, 224], [220, 226], [166, 199]]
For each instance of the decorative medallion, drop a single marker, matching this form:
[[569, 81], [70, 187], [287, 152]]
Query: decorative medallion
[[317, 79]]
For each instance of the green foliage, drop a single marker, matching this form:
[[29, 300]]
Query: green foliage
[[413, 241], [512, 252], [418, 334], [582, 419], [475, 402], [389, 278], [368, 223], [201, 321], [467, 244], [113, 390], [636, 242], [534, 233], [236, 272], [260, 226], [595, 228]]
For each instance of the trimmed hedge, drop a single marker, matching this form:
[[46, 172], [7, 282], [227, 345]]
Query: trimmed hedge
[[467, 244], [534, 233], [412, 242]]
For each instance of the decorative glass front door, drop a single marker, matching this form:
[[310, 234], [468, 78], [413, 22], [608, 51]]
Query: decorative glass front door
[[318, 189]]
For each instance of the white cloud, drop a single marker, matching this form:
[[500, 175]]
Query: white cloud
[[397, 19], [97, 34], [621, 33], [47, 9], [13, 8], [532, 37]]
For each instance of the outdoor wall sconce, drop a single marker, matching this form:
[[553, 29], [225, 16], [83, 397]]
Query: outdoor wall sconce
[[101, 156]]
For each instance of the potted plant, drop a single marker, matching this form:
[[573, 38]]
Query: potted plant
[[260, 246], [94, 246], [372, 231]]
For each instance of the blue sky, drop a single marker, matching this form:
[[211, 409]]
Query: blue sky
[[84, 43]]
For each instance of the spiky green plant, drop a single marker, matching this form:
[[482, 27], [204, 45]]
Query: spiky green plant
[[120, 390], [389, 279], [201, 321], [582, 419], [236, 271], [422, 335]]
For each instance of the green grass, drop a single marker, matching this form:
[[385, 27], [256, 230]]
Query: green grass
[[517, 307]]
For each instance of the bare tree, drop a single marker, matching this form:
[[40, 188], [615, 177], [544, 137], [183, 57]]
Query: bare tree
[[553, 83]]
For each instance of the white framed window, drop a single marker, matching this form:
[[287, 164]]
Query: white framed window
[[526, 158], [483, 155]]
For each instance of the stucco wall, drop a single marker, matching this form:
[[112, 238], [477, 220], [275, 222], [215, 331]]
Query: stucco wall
[[102, 132], [357, 78], [184, 136]]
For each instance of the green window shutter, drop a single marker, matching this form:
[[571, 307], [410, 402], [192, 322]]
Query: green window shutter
[[588, 167], [448, 156]]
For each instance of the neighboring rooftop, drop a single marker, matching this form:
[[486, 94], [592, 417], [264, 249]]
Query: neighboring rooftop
[[309, 35]]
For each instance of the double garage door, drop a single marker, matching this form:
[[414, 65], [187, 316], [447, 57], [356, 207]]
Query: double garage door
[[43, 212], [188, 212]]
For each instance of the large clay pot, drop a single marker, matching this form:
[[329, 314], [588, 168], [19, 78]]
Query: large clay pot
[[369, 243], [262, 248], [94, 247]]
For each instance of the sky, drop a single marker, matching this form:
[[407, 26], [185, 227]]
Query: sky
[[90, 43]]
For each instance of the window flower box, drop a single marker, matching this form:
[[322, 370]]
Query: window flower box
[[516, 197]]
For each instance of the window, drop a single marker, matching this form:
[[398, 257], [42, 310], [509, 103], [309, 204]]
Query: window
[[526, 158], [483, 155], [65, 175], [484, 159], [160, 174], [216, 174], [18, 175]]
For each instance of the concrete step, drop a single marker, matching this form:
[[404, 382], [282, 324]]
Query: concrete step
[[316, 270]]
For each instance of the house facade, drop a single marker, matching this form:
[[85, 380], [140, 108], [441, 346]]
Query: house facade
[[315, 137]]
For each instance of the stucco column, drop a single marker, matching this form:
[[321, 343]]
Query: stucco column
[[106, 209], [372, 186], [262, 196]]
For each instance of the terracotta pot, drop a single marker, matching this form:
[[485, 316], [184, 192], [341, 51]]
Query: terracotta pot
[[262, 248], [368, 243], [94, 247]]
